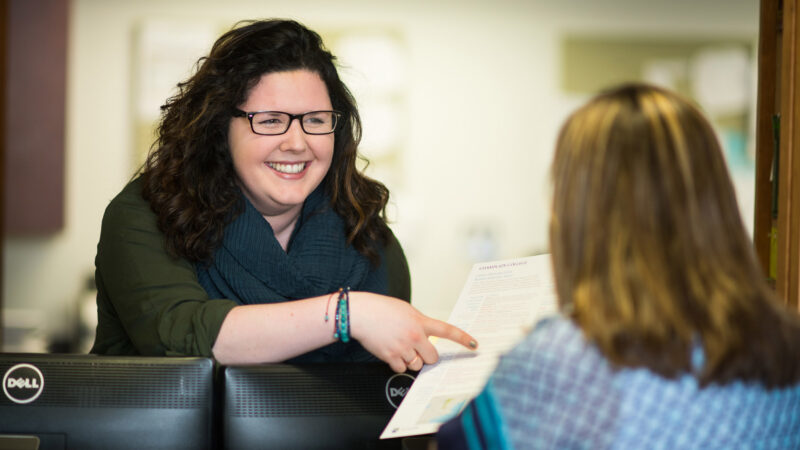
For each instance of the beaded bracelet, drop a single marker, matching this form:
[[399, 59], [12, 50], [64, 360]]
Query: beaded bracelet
[[347, 308], [342, 331], [327, 305]]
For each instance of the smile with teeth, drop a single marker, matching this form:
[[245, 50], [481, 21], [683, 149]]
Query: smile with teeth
[[287, 168]]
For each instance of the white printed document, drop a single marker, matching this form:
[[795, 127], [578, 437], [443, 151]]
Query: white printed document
[[498, 305]]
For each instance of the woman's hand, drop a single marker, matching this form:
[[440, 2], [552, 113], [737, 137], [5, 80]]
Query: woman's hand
[[397, 333]]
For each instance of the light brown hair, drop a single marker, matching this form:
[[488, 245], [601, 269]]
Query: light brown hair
[[649, 251]]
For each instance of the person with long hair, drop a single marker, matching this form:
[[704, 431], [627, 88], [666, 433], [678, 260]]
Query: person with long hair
[[668, 334], [249, 234]]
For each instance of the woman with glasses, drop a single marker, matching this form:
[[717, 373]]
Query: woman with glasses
[[249, 234], [669, 335]]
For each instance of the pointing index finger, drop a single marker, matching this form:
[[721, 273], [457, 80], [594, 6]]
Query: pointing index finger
[[434, 327]]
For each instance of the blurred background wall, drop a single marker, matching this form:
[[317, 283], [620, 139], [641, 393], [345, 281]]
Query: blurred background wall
[[461, 101]]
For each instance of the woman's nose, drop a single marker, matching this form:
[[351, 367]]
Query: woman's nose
[[295, 137]]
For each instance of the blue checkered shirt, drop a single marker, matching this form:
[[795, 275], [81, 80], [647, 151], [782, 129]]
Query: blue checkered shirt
[[554, 390]]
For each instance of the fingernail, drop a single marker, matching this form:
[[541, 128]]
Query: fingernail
[[473, 344]]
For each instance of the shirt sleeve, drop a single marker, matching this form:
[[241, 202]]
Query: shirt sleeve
[[149, 303]]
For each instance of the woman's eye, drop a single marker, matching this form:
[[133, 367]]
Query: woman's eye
[[271, 121]]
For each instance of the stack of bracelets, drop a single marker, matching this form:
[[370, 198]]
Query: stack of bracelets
[[342, 317]]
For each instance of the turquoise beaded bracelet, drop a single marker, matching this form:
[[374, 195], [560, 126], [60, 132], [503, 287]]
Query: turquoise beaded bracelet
[[342, 318]]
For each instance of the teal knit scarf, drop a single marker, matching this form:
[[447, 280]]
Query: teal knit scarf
[[251, 267]]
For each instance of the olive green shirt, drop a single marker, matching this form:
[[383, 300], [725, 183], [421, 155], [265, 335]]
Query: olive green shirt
[[150, 303]]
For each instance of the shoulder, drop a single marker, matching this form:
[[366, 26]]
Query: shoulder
[[397, 272], [550, 360], [130, 195], [128, 206], [129, 218], [657, 411], [555, 389], [555, 355], [553, 339], [393, 252]]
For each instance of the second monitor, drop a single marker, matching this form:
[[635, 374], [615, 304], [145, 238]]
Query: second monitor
[[310, 406]]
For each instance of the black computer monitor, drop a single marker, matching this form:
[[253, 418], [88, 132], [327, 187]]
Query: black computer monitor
[[311, 406], [105, 402]]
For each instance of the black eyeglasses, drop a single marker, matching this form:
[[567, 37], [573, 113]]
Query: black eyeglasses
[[272, 123]]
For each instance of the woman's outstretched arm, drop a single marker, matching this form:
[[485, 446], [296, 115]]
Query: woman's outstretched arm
[[389, 328]]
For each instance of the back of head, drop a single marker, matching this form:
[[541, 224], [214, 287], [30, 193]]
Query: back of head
[[649, 250]]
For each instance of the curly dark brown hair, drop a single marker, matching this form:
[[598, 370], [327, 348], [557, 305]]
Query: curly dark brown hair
[[188, 177]]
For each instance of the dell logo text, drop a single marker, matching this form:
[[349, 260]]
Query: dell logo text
[[27, 383], [23, 383], [397, 392]]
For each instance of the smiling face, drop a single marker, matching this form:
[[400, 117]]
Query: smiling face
[[277, 173]]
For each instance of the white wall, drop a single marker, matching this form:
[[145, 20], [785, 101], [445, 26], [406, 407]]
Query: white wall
[[493, 64]]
